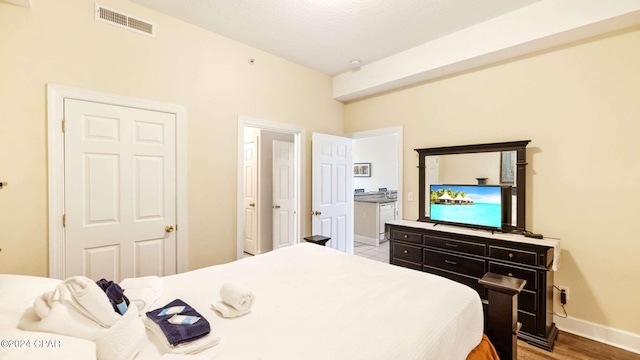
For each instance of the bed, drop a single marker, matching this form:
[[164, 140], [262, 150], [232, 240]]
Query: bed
[[311, 302]]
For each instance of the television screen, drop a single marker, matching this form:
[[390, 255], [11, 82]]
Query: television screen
[[471, 205]]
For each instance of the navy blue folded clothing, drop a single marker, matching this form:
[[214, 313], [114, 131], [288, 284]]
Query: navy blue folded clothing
[[115, 294], [176, 333]]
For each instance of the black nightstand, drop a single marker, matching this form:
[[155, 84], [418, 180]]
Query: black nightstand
[[317, 239]]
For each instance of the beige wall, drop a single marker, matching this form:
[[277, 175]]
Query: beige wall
[[60, 42], [580, 106]]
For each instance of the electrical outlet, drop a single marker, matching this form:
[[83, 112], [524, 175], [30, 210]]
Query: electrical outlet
[[566, 291]]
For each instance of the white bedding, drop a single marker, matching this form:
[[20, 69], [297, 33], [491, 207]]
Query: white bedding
[[313, 302], [16, 295]]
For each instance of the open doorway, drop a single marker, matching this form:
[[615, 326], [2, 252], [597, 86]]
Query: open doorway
[[269, 186], [378, 188]]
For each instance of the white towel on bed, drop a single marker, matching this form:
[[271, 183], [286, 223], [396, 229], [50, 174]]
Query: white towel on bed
[[83, 295], [237, 296], [142, 291], [227, 310], [124, 339], [75, 309], [183, 357]]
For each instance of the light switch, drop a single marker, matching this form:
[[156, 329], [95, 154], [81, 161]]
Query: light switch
[[409, 196]]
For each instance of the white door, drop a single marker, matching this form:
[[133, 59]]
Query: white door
[[284, 194], [251, 196], [120, 191], [332, 190]]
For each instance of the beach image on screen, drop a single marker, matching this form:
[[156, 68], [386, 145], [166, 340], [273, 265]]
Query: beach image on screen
[[466, 204]]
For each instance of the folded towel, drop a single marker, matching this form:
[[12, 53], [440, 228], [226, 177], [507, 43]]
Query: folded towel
[[183, 357], [88, 298], [237, 356], [124, 339], [75, 309], [228, 311], [175, 333], [190, 347], [237, 296], [143, 291]]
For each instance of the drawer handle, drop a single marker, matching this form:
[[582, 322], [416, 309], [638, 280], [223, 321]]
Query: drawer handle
[[406, 236], [406, 251], [510, 274], [451, 245], [510, 256], [451, 262]]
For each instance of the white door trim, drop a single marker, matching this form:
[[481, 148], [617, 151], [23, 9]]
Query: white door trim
[[55, 114], [299, 145], [396, 130]]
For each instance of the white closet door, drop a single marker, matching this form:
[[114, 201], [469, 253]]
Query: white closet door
[[120, 191], [284, 194], [251, 196]]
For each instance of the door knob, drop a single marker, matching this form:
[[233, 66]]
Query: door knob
[[276, 206], [168, 228], [317, 213], [252, 205]]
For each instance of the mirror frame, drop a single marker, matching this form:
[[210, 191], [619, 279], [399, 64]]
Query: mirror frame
[[520, 147]]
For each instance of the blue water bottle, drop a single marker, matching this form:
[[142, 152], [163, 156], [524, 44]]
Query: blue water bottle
[[121, 305]]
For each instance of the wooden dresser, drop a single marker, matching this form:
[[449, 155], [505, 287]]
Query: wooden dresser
[[465, 255]]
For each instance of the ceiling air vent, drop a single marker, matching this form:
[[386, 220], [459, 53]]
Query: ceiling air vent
[[124, 21]]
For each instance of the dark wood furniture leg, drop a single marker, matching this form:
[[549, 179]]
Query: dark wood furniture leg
[[318, 239], [502, 313]]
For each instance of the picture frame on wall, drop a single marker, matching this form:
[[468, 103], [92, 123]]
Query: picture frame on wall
[[362, 169]]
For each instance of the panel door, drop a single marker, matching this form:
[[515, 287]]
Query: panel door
[[251, 196], [120, 191], [284, 194], [332, 190]]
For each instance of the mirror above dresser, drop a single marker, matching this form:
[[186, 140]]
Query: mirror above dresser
[[486, 164]]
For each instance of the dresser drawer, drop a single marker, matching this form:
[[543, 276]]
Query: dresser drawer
[[407, 236], [518, 256], [526, 274], [407, 253], [459, 264], [455, 245], [527, 301], [528, 322], [470, 281]]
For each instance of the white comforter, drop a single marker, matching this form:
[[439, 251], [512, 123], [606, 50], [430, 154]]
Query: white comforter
[[313, 302]]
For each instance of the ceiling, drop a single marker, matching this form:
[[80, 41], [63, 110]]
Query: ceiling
[[327, 35]]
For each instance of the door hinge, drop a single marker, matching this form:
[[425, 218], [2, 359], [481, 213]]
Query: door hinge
[[63, 125], [64, 220]]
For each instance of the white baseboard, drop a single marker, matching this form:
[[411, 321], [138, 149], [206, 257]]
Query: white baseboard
[[604, 334], [366, 240]]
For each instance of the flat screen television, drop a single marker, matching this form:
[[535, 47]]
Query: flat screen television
[[478, 206]]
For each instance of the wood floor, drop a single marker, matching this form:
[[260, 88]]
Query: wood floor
[[570, 347]]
